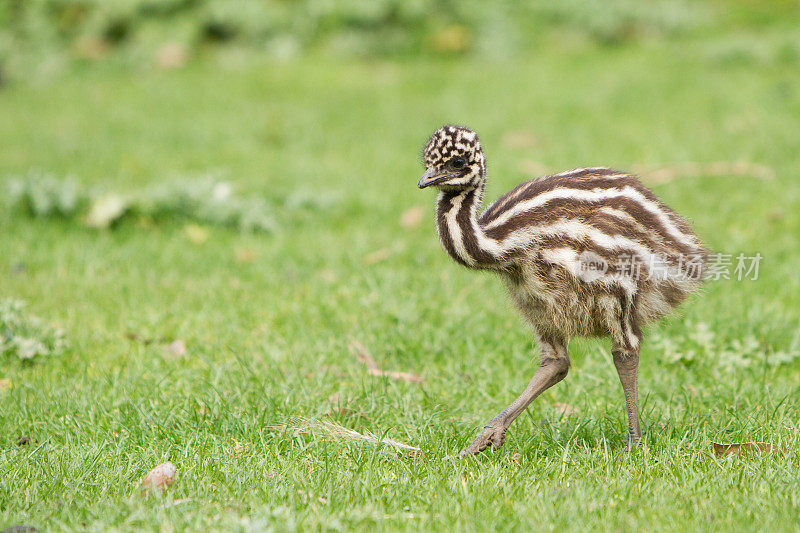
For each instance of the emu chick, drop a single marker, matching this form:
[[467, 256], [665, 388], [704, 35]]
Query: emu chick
[[587, 252]]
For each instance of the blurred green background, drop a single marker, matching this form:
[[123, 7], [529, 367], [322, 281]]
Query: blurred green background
[[42, 36], [206, 205]]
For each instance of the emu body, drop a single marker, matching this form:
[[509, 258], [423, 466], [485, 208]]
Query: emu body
[[543, 236]]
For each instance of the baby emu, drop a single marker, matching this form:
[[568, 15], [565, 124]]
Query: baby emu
[[588, 252]]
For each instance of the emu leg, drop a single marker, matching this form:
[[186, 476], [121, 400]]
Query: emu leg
[[551, 371], [628, 369]]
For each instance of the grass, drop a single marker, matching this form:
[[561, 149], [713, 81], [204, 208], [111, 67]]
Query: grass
[[268, 319]]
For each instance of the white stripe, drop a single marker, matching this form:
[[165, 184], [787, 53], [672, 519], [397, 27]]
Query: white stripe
[[588, 169], [596, 195], [570, 260], [486, 244], [526, 237], [455, 230]]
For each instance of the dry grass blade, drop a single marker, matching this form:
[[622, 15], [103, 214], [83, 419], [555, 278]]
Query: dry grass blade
[[744, 447], [329, 429], [363, 355]]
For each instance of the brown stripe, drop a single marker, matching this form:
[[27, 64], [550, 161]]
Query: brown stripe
[[588, 211], [468, 236], [444, 205], [585, 181]]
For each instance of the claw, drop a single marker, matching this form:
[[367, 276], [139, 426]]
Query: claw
[[490, 436]]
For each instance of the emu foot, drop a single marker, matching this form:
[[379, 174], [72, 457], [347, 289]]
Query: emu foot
[[633, 443], [493, 436]]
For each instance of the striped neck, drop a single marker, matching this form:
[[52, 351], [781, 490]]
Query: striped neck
[[462, 236]]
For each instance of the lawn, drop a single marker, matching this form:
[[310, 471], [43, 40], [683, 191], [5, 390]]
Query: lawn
[[269, 320]]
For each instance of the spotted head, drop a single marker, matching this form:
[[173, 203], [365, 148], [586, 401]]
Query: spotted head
[[453, 159]]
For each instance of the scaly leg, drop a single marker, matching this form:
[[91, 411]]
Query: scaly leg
[[627, 363], [553, 368]]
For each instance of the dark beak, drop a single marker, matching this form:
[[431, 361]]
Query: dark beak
[[432, 176]]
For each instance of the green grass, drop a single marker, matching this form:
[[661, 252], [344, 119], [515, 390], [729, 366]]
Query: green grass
[[268, 340]]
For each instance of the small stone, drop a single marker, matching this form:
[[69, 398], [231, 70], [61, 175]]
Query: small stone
[[159, 478]]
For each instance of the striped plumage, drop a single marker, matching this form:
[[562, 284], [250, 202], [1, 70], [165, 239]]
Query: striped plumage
[[542, 236]]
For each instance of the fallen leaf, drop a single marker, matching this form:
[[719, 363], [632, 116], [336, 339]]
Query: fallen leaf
[[744, 447], [245, 255], [520, 139], [171, 55], [159, 478], [454, 38], [136, 337], [196, 234], [105, 210], [377, 256], [90, 47], [412, 217], [176, 348]]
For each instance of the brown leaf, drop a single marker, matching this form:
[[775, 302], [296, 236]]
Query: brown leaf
[[159, 478], [245, 255], [520, 139], [454, 38], [744, 447], [171, 55], [195, 233], [90, 47], [412, 217], [176, 348], [136, 337]]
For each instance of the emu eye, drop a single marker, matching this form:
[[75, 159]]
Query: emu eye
[[458, 163]]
